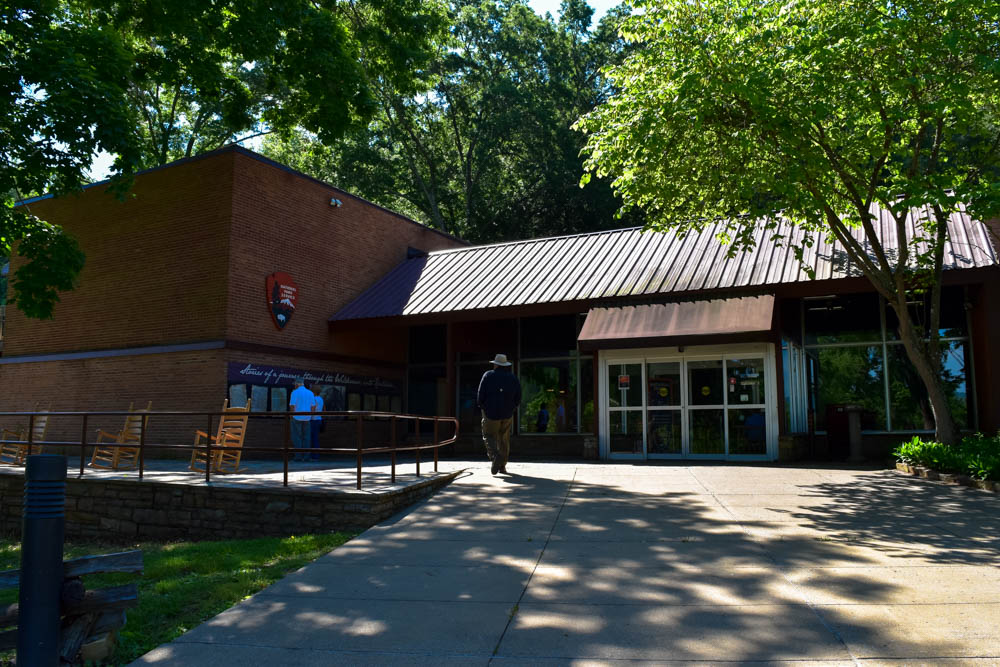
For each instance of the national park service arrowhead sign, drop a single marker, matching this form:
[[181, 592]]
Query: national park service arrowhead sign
[[282, 295]]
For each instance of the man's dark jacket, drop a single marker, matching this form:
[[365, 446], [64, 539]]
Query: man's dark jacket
[[499, 393]]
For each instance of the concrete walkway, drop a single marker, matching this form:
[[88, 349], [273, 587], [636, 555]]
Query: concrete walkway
[[567, 563]]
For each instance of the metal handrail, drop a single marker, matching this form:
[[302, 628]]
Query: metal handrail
[[359, 451]]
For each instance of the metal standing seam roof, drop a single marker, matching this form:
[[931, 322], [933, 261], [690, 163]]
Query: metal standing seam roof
[[631, 263]]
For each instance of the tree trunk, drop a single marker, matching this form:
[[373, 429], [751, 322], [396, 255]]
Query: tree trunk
[[919, 353]]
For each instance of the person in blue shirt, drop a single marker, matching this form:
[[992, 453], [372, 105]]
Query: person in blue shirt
[[301, 400], [498, 397]]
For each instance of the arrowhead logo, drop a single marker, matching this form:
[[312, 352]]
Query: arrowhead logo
[[282, 295]]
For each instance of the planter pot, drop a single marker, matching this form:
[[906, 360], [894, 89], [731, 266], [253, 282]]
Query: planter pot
[[927, 473], [905, 467]]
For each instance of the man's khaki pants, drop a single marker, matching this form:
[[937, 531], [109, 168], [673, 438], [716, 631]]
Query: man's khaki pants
[[496, 437]]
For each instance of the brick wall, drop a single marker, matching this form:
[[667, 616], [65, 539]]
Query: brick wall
[[103, 509], [183, 260], [176, 381], [156, 264], [284, 222]]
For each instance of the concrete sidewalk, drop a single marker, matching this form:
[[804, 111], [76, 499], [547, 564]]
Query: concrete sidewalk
[[568, 563]]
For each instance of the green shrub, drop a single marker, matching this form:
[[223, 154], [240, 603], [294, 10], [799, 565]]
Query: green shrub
[[976, 455]]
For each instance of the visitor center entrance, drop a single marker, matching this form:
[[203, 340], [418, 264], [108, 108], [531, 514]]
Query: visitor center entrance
[[708, 402]]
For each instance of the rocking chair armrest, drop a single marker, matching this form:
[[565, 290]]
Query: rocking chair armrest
[[101, 434], [18, 435]]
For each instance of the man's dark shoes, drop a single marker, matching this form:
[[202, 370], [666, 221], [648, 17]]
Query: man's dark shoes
[[495, 468]]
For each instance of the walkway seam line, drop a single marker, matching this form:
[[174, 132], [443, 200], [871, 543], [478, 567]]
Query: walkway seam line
[[517, 605], [783, 575]]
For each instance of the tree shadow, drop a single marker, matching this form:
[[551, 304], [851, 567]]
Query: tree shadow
[[626, 562]]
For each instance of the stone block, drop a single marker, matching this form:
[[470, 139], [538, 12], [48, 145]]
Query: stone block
[[277, 506]]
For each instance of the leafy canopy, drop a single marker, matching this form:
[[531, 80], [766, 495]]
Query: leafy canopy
[[149, 81], [488, 153], [735, 108], [824, 110]]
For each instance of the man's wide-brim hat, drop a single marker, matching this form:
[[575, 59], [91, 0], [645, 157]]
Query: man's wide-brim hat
[[501, 360]]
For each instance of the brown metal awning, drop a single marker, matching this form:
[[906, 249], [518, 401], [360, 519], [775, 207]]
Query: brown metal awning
[[741, 319]]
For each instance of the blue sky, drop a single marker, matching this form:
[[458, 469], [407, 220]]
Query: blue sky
[[552, 6], [102, 163]]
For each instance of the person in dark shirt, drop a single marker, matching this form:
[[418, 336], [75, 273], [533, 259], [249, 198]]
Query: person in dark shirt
[[499, 395]]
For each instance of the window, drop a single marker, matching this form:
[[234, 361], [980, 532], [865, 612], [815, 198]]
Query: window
[[855, 357], [548, 396], [851, 375]]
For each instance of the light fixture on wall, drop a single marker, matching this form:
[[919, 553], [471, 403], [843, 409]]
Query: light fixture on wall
[[336, 203]]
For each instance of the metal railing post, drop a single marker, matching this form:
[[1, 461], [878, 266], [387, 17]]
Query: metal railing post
[[208, 451], [142, 447], [393, 442], [417, 451], [41, 560], [31, 432], [287, 439], [360, 437], [83, 443], [436, 441]]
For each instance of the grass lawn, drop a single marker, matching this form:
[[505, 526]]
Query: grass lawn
[[185, 583]]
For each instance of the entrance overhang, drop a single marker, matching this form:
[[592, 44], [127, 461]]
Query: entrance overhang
[[741, 319]]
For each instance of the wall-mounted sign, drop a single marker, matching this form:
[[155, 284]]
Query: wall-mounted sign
[[623, 381], [277, 375], [282, 295]]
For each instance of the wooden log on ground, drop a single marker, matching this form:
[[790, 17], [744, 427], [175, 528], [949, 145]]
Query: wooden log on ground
[[125, 561], [109, 620], [74, 634], [113, 597]]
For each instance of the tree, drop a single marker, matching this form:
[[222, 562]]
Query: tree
[[149, 81], [822, 109], [488, 153]]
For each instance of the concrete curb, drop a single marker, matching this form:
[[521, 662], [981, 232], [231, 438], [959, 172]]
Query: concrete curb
[[950, 478]]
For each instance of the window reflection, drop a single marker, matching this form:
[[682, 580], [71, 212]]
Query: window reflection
[[548, 396], [911, 409], [851, 375]]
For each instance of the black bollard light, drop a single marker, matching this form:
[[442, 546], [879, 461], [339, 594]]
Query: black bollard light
[[41, 560]]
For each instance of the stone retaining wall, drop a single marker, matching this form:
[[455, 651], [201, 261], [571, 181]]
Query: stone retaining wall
[[112, 509]]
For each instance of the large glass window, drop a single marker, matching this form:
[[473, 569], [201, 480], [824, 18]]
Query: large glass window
[[842, 319], [548, 396], [911, 409], [856, 358], [851, 376], [553, 336]]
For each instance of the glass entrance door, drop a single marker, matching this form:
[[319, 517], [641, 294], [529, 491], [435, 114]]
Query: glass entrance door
[[691, 406], [664, 416], [627, 437]]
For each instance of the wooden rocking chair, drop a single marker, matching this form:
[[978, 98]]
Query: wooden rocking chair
[[232, 431], [115, 458], [14, 453]]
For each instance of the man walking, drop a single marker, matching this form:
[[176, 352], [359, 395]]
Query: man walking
[[499, 396], [301, 400]]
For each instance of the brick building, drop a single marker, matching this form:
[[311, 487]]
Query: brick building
[[654, 345], [171, 306]]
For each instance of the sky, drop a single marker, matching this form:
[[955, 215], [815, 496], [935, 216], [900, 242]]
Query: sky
[[552, 6], [102, 161]]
